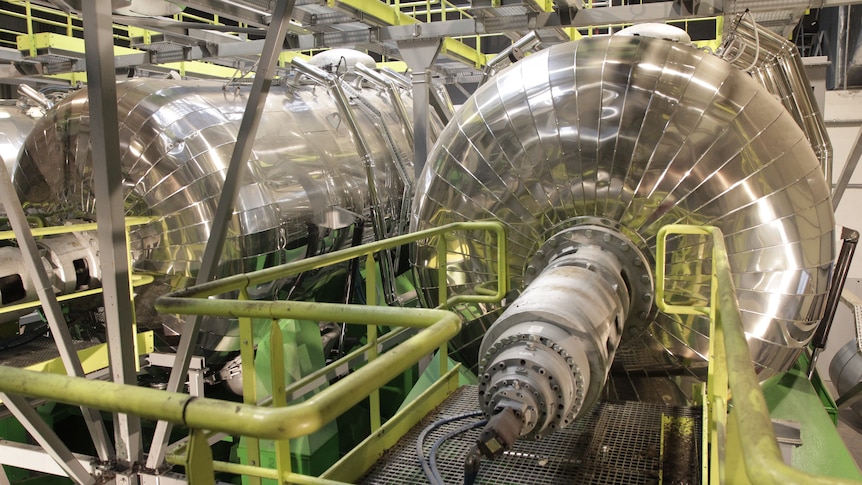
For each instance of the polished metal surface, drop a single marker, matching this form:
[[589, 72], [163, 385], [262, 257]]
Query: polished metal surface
[[643, 133], [304, 190], [776, 64], [15, 125]]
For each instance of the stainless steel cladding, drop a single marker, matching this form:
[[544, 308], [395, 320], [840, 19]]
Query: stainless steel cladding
[[631, 134], [775, 63], [305, 186], [15, 125]]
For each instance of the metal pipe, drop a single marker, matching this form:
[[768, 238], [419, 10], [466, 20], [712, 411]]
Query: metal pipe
[[243, 419], [378, 223], [441, 102], [27, 91], [399, 79], [394, 97], [333, 84], [491, 67], [775, 62]]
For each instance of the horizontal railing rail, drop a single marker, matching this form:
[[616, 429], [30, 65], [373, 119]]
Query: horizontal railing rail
[[281, 421]]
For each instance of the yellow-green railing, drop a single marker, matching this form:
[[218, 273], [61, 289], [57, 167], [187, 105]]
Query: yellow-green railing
[[280, 421], [731, 373]]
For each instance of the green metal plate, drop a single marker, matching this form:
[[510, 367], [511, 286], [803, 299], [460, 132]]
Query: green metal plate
[[792, 397]]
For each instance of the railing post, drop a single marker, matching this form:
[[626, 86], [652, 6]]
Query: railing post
[[371, 299], [279, 399], [249, 382], [199, 459]]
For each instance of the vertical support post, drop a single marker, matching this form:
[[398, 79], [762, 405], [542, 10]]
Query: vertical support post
[[717, 379], [110, 214], [28, 11], [50, 305], [249, 383], [272, 47], [420, 54], [279, 399], [199, 459], [442, 295], [371, 299]]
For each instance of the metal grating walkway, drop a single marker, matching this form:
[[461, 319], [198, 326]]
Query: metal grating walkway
[[619, 443]]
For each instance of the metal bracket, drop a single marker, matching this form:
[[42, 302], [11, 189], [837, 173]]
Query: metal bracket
[[855, 303], [789, 436]]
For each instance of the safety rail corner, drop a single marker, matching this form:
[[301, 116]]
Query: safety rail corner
[[731, 373], [279, 420]]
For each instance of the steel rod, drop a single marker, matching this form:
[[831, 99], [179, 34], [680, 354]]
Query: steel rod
[[50, 305], [47, 439], [238, 163], [112, 236]]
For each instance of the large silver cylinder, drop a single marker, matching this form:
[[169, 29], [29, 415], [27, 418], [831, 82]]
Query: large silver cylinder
[[638, 133], [305, 186]]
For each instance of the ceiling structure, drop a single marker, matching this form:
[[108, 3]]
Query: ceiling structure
[[161, 36]]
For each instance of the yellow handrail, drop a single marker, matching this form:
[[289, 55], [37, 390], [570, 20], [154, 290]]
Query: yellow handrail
[[279, 423], [733, 370]]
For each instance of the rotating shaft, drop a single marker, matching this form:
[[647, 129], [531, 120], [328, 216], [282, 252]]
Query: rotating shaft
[[547, 357]]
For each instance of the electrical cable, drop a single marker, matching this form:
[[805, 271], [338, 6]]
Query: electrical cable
[[432, 455], [756, 42], [420, 443]]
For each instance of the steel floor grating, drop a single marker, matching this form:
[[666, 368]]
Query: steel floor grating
[[618, 443], [37, 351]]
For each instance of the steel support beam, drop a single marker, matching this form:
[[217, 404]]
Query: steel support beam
[[35, 458], [45, 436], [419, 56], [110, 214], [50, 305], [224, 212], [848, 170]]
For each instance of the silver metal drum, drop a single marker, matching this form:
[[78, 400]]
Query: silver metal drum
[[845, 371], [304, 189], [631, 134]]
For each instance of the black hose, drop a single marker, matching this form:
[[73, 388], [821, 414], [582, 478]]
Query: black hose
[[432, 455], [420, 443]]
